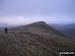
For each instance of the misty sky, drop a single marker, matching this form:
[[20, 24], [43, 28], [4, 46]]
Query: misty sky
[[21, 12]]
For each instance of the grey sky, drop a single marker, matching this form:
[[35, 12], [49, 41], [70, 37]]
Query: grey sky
[[14, 12]]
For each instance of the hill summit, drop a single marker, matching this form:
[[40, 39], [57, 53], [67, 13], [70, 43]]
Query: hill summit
[[38, 28], [36, 39]]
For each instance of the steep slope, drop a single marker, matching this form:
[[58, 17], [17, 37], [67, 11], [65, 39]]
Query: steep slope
[[36, 39]]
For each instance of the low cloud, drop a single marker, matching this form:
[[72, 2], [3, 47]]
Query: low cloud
[[22, 20]]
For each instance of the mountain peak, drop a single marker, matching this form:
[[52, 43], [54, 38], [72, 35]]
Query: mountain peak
[[38, 23]]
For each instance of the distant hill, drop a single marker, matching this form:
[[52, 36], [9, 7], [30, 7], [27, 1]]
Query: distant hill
[[9, 27], [36, 39], [68, 29], [1, 28], [69, 32]]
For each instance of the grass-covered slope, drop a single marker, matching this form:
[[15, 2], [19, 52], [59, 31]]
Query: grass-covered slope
[[37, 39]]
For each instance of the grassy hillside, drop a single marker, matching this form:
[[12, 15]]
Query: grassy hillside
[[37, 39]]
